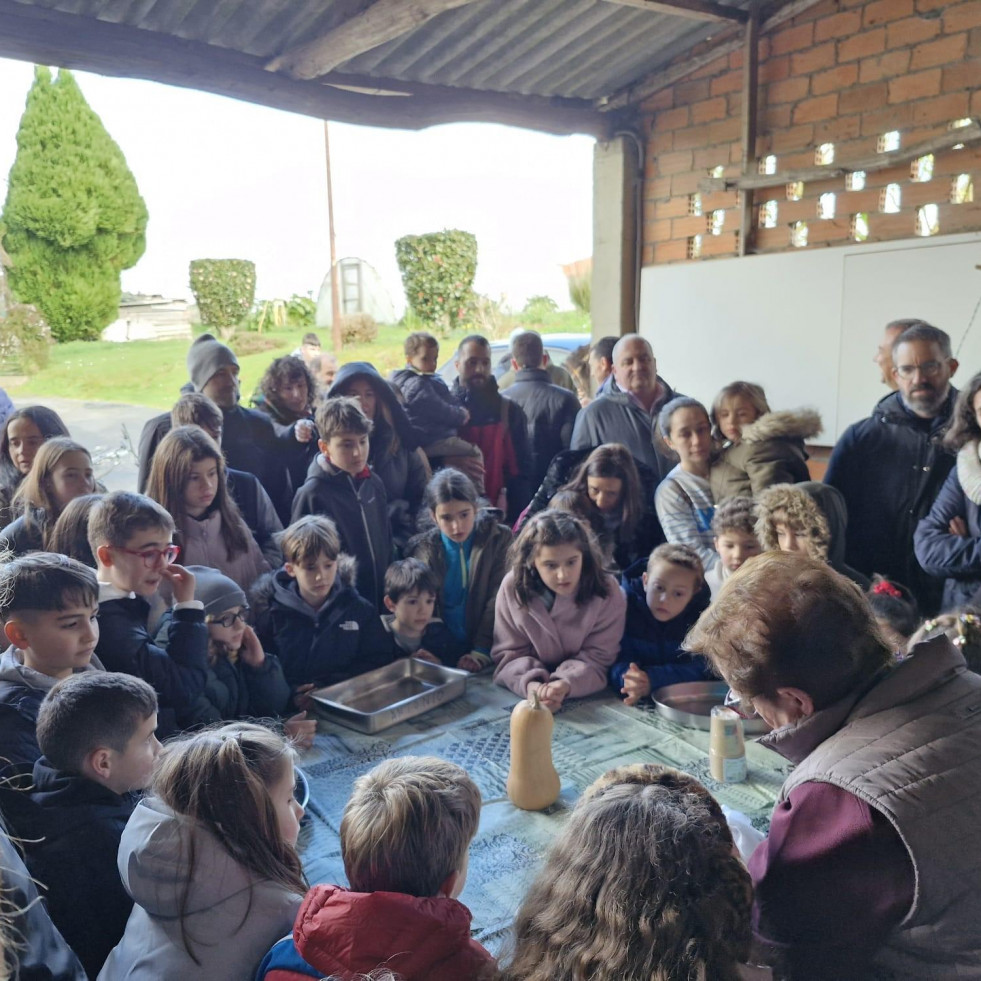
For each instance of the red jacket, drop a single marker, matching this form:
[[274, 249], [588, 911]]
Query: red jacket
[[339, 934]]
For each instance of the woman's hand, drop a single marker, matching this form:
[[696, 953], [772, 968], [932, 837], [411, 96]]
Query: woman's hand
[[251, 652], [636, 685], [552, 693], [958, 526], [300, 730]]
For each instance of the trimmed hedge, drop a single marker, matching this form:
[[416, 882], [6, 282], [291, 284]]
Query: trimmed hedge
[[224, 290], [437, 272]]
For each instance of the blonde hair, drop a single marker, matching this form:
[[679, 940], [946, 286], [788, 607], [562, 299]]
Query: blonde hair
[[683, 556], [801, 512], [750, 391], [408, 826]]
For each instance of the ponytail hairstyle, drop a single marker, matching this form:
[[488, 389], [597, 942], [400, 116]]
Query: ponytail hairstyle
[[642, 882], [551, 527], [448, 485], [35, 493], [221, 779], [616, 461], [170, 471]]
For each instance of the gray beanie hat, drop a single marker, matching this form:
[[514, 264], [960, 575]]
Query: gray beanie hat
[[215, 590], [205, 357]]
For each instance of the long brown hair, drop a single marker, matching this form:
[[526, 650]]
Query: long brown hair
[[551, 527], [171, 469], [964, 423], [221, 778], [34, 493], [642, 882], [612, 460]]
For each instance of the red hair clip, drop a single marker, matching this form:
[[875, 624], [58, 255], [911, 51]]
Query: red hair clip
[[886, 587]]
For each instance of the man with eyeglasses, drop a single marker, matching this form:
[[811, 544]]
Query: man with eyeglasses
[[891, 466]]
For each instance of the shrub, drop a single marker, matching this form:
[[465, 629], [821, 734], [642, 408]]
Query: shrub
[[437, 273], [581, 291], [358, 328], [245, 344], [25, 340], [224, 290]]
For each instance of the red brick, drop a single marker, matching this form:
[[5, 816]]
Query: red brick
[[887, 65], [710, 109], [671, 119], [901, 33], [962, 17], [940, 111], [724, 84], [887, 118], [691, 137], [926, 6], [686, 183], [777, 117], [725, 131], [658, 187], [943, 52], [688, 92], [974, 43], [792, 138], [657, 231], [860, 98], [670, 252], [790, 90], [975, 104], [918, 86], [862, 45], [735, 102], [709, 157], [674, 163], [692, 225], [837, 129], [882, 11], [659, 100], [673, 208], [813, 60], [962, 76], [725, 244], [775, 70], [842, 77], [792, 39], [838, 25], [821, 107]]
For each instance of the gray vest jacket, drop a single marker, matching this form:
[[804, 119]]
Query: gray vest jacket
[[911, 748]]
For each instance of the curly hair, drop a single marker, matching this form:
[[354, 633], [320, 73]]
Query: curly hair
[[549, 528], [641, 883], [964, 423], [284, 371], [735, 514], [801, 513], [611, 460]]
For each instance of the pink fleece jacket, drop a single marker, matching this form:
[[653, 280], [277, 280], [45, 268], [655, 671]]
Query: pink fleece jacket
[[575, 643]]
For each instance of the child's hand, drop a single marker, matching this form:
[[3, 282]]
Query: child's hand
[[251, 652], [424, 655], [469, 663], [181, 581], [636, 685], [301, 697], [303, 430], [552, 693], [300, 730]]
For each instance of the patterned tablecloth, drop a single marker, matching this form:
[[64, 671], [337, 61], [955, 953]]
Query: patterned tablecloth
[[591, 736]]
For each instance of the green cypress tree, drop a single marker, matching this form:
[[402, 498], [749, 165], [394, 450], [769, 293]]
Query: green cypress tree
[[73, 218]]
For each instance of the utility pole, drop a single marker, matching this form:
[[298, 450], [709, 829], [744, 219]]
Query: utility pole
[[335, 286]]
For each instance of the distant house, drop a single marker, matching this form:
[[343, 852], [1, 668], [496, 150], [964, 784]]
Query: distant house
[[150, 318], [362, 291]]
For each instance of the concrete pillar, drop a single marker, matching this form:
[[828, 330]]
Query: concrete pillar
[[614, 286]]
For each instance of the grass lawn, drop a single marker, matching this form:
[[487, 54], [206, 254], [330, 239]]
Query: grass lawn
[[151, 373]]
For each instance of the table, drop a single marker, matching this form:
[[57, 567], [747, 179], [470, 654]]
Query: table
[[591, 736]]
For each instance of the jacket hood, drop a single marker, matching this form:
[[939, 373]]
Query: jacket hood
[[791, 423], [802, 511], [13, 669], [341, 931], [362, 369], [155, 858], [483, 528], [891, 409], [281, 585], [56, 789], [832, 504]]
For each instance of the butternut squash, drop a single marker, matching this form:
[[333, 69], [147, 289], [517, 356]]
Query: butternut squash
[[533, 783]]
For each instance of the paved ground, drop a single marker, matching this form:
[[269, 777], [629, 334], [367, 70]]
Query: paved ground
[[101, 428]]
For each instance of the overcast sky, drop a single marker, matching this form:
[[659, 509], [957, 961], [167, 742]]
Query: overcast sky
[[227, 179]]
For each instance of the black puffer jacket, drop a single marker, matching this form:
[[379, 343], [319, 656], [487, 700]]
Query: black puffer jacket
[[431, 408]]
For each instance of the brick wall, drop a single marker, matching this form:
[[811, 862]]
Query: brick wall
[[843, 72]]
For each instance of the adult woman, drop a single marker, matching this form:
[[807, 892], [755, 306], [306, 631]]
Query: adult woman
[[23, 433], [864, 871], [393, 453], [947, 541]]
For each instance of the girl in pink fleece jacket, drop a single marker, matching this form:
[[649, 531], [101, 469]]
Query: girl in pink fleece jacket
[[559, 617]]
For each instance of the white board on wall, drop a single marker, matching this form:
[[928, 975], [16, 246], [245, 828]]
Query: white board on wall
[[806, 325]]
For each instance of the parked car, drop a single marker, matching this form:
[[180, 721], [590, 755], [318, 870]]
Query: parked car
[[558, 347]]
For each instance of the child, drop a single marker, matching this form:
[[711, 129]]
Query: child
[[559, 616], [896, 612], [210, 859], [643, 882], [410, 597], [964, 631], [662, 606], [129, 534], [405, 839], [684, 501], [341, 486], [467, 551], [310, 614], [96, 731], [24, 431], [187, 477], [70, 535], [48, 606], [734, 527], [62, 471]]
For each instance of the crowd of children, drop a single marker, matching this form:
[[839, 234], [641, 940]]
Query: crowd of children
[[180, 861]]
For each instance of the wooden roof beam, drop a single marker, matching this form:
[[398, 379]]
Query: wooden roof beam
[[694, 9], [383, 21]]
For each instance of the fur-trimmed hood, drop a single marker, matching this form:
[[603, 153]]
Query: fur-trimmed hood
[[786, 424], [803, 514], [282, 586]]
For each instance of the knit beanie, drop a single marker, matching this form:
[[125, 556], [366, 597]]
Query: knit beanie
[[204, 359], [216, 591]]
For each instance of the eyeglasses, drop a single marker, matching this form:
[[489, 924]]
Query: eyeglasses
[[153, 556], [228, 619], [743, 707], [929, 369]]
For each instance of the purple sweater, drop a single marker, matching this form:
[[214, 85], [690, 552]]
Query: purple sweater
[[575, 643]]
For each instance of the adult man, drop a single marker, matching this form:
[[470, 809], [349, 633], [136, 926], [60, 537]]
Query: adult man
[[248, 438], [550, 411], [601, 364], [883, 354], [870, 867], [323, 368], [497, 425], [629, 416], [890, 466]]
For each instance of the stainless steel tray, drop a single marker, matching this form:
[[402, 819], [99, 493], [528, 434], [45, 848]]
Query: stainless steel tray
[[383, 697], [691, 703]]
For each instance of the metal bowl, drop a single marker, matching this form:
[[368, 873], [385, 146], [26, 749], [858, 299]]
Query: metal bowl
[[691, 704]]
